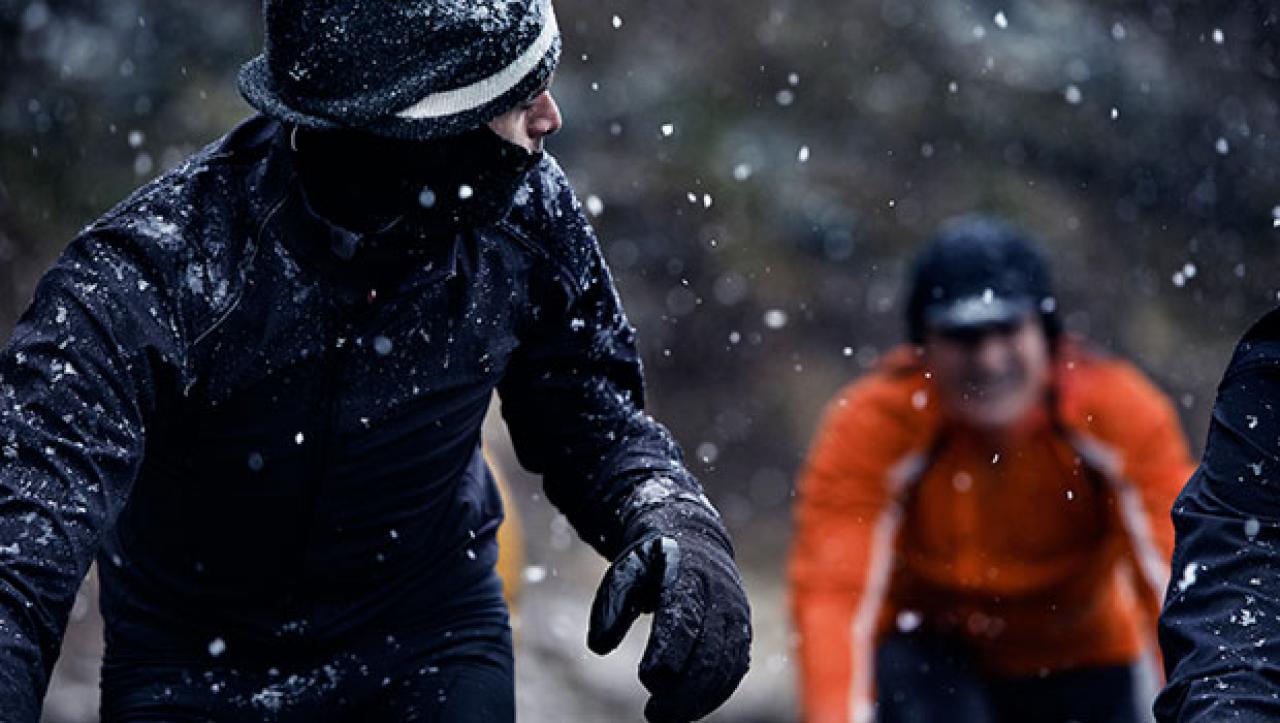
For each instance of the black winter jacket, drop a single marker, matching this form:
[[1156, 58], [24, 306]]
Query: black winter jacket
[[1220, 628], [271, 445]]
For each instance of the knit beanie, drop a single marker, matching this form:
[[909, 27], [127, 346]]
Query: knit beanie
[[409, 69]]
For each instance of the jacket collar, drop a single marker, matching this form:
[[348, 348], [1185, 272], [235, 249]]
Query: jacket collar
[[286, 216]]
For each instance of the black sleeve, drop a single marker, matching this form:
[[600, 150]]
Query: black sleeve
[[1220, 628], [78, 379], [573, 398]]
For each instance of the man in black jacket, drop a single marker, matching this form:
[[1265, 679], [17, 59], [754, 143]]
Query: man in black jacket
[[1220, 628], [254, 390]]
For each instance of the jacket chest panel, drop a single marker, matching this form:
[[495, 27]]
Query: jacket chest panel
[[323, 417], [1030, 506], [375, 347], [315, 399]]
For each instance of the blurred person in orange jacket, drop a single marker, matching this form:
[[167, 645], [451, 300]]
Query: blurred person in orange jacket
[[982, 531]]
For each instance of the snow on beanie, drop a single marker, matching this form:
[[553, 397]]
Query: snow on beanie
[[413, 69]]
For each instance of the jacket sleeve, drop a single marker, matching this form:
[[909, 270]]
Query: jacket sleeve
[[78, 379], [1220, 628], [846, 520], [1153, 463], [573, 392]]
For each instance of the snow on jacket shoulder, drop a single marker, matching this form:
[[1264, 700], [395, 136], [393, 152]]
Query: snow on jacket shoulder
[[1220, 628]]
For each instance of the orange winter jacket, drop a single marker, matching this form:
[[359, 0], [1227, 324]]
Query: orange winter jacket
[[1046, 549]]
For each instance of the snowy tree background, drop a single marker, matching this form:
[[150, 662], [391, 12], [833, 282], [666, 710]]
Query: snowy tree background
[[760, 172]]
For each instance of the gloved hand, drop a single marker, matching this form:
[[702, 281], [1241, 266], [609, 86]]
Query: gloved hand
[[679, 566]]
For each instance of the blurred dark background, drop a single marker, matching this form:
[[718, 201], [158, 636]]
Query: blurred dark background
[[760, 173]]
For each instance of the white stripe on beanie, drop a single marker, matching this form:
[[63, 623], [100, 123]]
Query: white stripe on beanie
[[485, 90]]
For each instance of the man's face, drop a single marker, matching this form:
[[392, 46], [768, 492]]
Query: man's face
[[990, 377], [527, 124]]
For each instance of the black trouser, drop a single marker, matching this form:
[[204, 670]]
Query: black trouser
[[928, 678], [455, 676]]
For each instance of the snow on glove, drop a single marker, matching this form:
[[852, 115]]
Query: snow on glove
[[680, 568]]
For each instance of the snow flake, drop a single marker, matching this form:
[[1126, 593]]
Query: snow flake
[[617, 22], [217, 647], [427, 198], [707, 452], [269, 699], [803, 154], [909, 620], [919, 398], [668, 129], [1001, 20], [1188, 577]]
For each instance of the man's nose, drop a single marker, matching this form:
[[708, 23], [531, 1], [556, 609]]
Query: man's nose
[[544, 116], [991, 353]]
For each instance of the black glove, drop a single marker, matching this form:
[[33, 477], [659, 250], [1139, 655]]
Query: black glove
[[679, 566]]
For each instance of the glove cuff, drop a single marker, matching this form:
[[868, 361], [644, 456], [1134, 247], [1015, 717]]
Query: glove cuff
[[659, 506]]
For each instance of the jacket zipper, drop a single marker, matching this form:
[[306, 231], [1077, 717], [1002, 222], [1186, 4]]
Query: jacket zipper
[[338, 341]]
